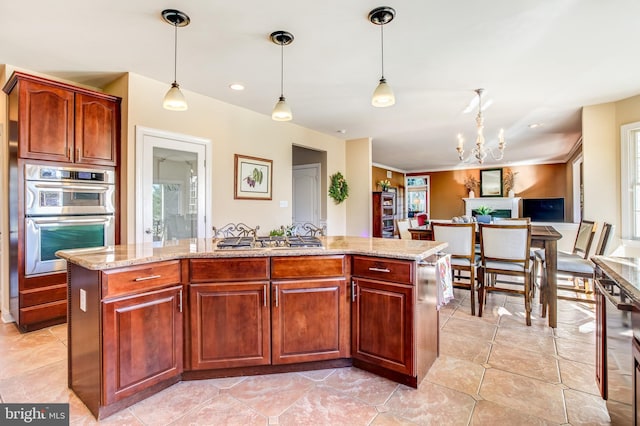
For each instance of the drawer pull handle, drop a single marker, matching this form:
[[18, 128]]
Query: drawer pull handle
[[353, 291], [264, 294], [180, 300], [150, 277], [275, 290], [380, 269]]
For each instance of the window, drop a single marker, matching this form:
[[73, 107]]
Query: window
[[630, 181], [417, 195]]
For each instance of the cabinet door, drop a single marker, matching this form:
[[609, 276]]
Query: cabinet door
[[229, 324], [601, 361], [383, 325], [310, 320], [142, 342], [45, 122], [96, 130]]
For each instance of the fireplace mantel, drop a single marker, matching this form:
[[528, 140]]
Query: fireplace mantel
[[496, 203]]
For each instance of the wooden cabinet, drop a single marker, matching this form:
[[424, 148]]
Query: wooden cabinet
[[384, 213], [63, 123], [636, 382], [601, 360], [125, 333], [394, 320], [229, 313], [142, 342]]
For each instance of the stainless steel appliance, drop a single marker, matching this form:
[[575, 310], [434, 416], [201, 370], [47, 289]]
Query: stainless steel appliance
[[65, 207], [618, 356], [294, 241]]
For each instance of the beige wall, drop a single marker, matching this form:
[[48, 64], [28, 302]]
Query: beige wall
[[359, 209]]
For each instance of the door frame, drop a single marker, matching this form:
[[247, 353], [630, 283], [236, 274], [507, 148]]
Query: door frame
[[140, 162]]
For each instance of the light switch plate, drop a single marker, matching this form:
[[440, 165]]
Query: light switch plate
[[83, 300], [284, 203]]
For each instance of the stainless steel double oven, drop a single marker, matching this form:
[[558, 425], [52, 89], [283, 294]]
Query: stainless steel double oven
[[65, 207]]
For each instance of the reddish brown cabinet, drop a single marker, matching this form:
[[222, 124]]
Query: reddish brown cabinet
[[229, 313], [142, 342], [384, 213], [63, 123]]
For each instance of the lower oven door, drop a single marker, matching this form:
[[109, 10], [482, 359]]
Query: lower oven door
[[46, 235]]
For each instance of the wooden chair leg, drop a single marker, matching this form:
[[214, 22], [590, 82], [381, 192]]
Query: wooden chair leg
[[472, 288], [527, 299], [481, 295], [543, 293]]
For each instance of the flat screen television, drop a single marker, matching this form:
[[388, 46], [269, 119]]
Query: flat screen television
[[543, 209]]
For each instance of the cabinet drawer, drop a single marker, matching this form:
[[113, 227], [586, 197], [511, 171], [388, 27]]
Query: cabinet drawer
[[397, 271], [136, 279], [232, 269], [307, 267], [38, 296]]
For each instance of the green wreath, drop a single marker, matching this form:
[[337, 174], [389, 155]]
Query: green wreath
[[338, 190]]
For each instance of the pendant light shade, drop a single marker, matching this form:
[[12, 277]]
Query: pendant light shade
[[383, 95], [174, 99], [282, 110]]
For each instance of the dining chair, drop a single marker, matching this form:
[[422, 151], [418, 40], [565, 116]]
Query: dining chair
[[235, 230], [461, 239], [581, 247], [504, 250], [576, 267], [402, 226]]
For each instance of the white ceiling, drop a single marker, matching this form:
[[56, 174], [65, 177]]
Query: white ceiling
[[540, 61]]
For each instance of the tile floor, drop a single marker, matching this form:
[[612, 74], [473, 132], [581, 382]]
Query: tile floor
[[491, 371]]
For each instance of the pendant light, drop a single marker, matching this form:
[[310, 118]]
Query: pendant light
[[282, 111], [383, 95], [174, 99]]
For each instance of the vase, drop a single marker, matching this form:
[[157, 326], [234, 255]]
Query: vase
[[472, 194], [483, 218], [512, 193]]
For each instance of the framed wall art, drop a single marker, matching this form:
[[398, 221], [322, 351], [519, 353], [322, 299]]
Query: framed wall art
[[491, 183], [253, 177]]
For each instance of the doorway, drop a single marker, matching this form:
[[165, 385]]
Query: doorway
[[309, 177], [172, 186]]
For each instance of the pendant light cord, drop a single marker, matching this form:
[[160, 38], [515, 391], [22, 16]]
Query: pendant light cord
[[175, 53], [281, 68], [382, 48]]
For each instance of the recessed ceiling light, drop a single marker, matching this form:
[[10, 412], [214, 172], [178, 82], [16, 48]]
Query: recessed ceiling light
[[342, 131], [534, 125], [236, 86]]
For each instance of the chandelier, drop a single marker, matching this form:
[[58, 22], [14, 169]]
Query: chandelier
[[480, 151]]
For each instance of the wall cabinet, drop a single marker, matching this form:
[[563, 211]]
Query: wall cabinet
[[384, 213], [62, 123]]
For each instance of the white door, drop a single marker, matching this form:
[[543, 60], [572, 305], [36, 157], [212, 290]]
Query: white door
[[172, 189], [306, 189]]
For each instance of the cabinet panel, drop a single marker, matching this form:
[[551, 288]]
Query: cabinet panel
[[96, 130], [136, 279], [232, 269], [397, 271], [310, 320], [142, 342], [601, 355], [383, 325], [307, 267], [230, 325], [45, 119]]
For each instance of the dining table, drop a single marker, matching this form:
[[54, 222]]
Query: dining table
[[542, 236]]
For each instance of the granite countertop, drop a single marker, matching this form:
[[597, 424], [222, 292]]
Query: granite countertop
[[625, 271], [137, 254]]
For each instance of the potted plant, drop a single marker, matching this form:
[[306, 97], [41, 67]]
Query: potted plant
[[470, 182], [483, 214]]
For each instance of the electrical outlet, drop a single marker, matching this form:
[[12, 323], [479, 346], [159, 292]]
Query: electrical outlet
[[83, 300]]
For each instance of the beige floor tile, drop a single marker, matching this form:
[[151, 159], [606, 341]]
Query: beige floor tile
[[173, 402], [488, 413], [530, 396], [491, 313], [619, 413], [518, 360], [445, 406], [360, 384], [457, 374], [271, 394], [26, 352], [317, 375], [470, 328], [461, 346], [324, 405], [220, 410], [585, 409], [576, 350], [45, 384], [59, 331], [578, 376], [585, 332], [515, 337], [387, 419]]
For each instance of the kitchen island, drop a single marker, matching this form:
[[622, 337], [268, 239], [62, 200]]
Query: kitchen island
[[143, 317]]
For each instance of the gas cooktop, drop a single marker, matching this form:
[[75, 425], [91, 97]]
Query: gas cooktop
[[294, 241]]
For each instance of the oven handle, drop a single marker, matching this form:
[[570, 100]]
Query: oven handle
[[613, 300], [49, 221], [72, 187]]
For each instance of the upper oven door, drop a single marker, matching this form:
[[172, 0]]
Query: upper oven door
[[68, 198]]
